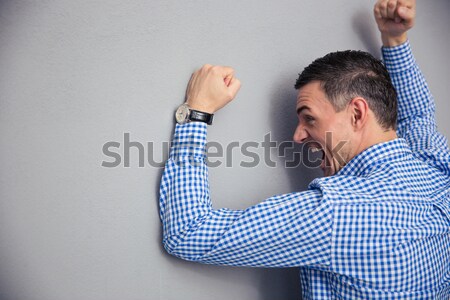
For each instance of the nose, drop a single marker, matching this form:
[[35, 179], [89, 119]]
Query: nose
[[300, 134]]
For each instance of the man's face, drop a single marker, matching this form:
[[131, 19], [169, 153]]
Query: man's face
[[321, 128]]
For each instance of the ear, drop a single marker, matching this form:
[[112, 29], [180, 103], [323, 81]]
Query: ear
[[359, 112]]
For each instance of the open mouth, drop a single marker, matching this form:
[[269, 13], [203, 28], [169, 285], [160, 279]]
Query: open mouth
[[317, 154]]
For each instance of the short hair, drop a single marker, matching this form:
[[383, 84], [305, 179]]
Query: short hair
[[344, 75]]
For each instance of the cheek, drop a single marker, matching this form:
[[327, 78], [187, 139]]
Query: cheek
[[328, 132], [335, 138], [332, 129], [341, 130]]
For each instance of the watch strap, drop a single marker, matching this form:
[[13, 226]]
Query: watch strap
[[196, 115]]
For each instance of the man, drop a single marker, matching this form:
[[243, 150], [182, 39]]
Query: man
[[377, 226]]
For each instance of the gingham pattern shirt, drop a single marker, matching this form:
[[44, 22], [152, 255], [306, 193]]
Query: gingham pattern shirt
[[378, 229]]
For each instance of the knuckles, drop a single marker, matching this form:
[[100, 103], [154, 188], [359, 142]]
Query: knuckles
[[392, 4], [207, 74], [215, 69], [206, 67]]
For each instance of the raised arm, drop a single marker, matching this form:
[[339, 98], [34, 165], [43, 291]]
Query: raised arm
[[278, 232], [416, 111]]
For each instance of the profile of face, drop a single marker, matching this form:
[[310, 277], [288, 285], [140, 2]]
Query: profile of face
[[321, 128]]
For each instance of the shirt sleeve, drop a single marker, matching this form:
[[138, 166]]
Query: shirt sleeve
[[283, 231], [416, 110]]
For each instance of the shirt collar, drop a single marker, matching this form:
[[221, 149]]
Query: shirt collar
[[365, 162]]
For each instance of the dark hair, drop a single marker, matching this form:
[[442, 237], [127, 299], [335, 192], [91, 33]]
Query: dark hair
[[344, 75]]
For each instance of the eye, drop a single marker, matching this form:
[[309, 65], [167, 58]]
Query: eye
[[309, 119]]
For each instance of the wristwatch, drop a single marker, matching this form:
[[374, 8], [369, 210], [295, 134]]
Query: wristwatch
[[185, 114]]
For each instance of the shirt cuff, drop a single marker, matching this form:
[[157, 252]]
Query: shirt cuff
[[189, 140], [399, 58]]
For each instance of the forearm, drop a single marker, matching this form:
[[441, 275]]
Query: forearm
[[414, 97], [191, 228], [184, 198]]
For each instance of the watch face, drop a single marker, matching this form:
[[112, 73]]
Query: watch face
[[182, 113]]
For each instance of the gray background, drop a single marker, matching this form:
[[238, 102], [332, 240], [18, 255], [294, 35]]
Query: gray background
[[77, 74]]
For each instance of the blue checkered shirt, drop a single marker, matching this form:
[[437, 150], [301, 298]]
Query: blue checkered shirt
[[378, 229]]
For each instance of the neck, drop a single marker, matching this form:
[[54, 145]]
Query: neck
[[373, 137]]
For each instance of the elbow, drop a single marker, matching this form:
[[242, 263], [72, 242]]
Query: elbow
[[171, 247]]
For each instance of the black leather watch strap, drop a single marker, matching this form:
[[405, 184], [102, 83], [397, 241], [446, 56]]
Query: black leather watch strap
[[196, 115]]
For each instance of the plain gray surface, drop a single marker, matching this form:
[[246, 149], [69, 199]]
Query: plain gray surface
[[75, 75]]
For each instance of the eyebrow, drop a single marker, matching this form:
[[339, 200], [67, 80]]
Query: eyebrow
[[301, 108]]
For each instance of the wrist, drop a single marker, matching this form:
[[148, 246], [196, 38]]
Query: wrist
[[393, 41], [201, 108], [185, 113]]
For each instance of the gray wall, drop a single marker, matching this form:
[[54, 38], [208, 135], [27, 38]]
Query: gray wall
[[75, 75]]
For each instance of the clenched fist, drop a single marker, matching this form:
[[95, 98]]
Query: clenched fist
[[211, 88], [394, 18]]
